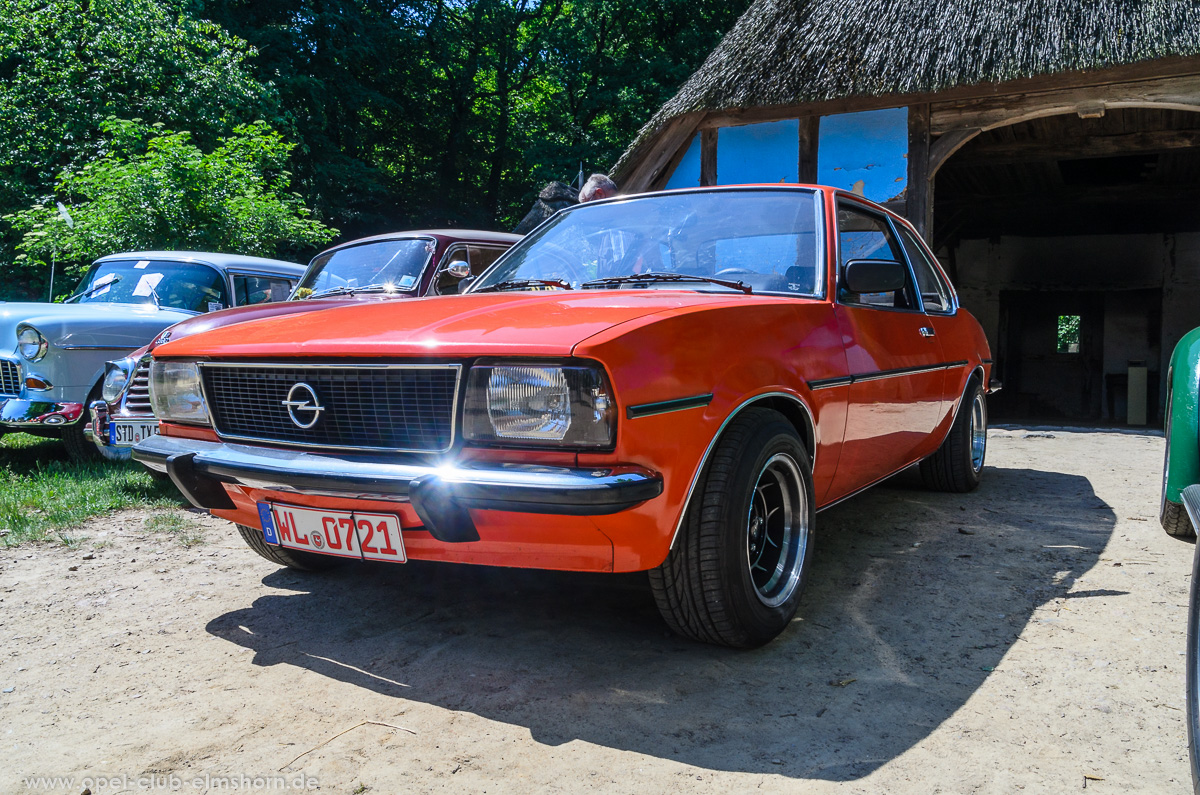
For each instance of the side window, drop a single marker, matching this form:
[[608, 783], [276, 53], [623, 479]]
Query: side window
[[478, 258], [935, 293], [863, 235], [260, 289]]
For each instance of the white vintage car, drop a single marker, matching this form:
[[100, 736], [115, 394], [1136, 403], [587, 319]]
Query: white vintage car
[[56, 363]]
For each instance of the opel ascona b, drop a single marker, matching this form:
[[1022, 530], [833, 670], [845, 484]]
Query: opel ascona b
[[673, 383]]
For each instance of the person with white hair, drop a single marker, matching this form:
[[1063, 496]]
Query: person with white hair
[[598, 186]]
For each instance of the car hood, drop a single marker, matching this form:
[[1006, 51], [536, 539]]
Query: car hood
[[548, 323], [116, 326], [241, 314]]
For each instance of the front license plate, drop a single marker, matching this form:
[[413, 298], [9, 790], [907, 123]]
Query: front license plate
[[344, 534], [127, 433]]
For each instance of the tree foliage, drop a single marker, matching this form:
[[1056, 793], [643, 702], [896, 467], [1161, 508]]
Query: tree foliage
[[405, 113], [155, 189]]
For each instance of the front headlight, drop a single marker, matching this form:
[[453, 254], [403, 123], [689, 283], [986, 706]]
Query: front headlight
[[116, 376], [31, 343], [175, 392], [559, 405]]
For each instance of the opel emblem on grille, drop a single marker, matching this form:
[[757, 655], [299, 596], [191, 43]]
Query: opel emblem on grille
[[302, 405]]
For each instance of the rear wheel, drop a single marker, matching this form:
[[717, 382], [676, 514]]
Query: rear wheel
[[738, 567], [293, 559], [957, 466]]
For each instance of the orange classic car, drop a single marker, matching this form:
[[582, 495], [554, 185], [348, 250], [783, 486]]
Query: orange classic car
[[673, 382]]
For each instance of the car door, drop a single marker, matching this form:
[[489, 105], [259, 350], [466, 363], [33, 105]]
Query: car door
[[896, 372]]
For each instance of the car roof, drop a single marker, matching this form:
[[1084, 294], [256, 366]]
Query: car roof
[[218, 259], [444, 235]]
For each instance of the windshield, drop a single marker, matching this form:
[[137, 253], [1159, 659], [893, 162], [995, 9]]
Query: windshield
[[191, 286], [769, 240], [387, 265]]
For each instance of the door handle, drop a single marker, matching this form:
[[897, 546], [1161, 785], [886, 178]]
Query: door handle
[[926, 331]]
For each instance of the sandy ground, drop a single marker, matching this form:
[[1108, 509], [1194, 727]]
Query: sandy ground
[[1026, 637]]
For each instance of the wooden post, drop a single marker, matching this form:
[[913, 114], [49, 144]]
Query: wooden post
[[708, 156], [809, 132], [918, 205]]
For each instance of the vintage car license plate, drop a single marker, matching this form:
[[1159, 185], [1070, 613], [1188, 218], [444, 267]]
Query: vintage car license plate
[[127, 433], [344, 534]]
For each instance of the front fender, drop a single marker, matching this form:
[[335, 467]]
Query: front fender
[[1181, 467]]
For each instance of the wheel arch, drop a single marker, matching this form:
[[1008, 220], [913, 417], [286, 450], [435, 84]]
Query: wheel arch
[[1181, 462], [793, 408]]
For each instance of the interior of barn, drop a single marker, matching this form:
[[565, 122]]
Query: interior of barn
[[1074, 239]]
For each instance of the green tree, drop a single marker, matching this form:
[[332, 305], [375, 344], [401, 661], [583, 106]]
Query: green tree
[[67, 65], [155, 189]]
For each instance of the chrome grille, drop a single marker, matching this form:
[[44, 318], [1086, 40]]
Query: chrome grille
[[380, 407], [137, 394], [10, 377]]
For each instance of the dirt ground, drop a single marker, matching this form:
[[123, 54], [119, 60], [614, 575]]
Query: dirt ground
[[1025, 637]]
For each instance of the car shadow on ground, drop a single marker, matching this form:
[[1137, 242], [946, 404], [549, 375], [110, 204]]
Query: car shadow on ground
[[913, 599]]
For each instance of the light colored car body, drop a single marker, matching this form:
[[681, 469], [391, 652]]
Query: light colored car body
[[48, 393]]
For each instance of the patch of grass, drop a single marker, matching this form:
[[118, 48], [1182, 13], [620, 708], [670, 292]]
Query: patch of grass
[[43, 494], [178, 525]]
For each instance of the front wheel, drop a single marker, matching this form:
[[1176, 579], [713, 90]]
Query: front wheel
[[957, 466], [738, 567], [292, 558]]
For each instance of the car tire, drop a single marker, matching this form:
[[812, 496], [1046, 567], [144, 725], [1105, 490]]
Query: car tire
[[957, 466], [1172, 515], [292, 558], [725, 581], [1192, 688], [82, 449]]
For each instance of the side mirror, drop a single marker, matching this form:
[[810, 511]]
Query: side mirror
[[458, 269], [465, 283], [874, 275]]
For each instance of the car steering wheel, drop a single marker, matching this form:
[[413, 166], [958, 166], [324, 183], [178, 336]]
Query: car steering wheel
[[737, 272]]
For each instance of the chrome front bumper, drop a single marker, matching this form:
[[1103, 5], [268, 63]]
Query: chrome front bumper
[[17, 413], [441, 495]]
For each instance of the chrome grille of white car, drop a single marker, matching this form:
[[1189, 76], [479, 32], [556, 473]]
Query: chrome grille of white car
[[137, 395], [10, 377]]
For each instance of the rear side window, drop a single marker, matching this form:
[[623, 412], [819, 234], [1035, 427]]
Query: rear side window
[[935, 293], [863, 235], [249, 289]]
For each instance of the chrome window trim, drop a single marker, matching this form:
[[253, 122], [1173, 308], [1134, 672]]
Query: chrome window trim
[[458, 368], [716, 436]]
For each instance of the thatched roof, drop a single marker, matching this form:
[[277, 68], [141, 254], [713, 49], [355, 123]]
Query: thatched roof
[[791, 52]]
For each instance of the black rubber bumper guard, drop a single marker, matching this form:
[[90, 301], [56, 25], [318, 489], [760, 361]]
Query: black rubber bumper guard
[[441, 495]]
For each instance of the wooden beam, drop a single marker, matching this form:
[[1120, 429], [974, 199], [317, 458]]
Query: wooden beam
[[1178, 93], [946, 145], [649, 166], [919, 194], [995, 153], [809, 136], [1155, 70], [708, 157]]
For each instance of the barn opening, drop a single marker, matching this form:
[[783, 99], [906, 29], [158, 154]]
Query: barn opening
[[1073, 238]]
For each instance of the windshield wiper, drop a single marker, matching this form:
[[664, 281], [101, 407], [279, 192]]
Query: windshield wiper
[[516, 284], [343, 290], [94, 288], [658, 276]]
